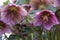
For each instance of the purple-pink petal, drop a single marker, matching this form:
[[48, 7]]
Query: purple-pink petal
[[37, 21], [4, 28], [52, 20], [13, 17], [56, 3]]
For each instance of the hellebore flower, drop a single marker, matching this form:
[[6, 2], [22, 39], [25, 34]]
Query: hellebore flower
[[27, 7], [46, 2], [56, 3], [4, 28], [12, 14], [14, 1], [57, 13], [46, 18], [36, 3]]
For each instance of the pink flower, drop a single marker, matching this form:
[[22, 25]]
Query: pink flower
[[12, 14], [4, 28], [46, 2], [26, 7], [14, 1], [57, 13], [56, 3], [36, 3], [46, 18]]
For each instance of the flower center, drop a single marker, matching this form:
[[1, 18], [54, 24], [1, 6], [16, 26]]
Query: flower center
[[12, 8], [45, 17]]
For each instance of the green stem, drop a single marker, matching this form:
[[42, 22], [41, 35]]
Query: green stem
[[49, 35], [44, 34], [58, 35]]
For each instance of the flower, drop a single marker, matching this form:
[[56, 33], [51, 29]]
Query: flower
[[14, 1], [46, 18], [56, 3], [57, 13], [46, 2], [36, 3], [27, 7], [4, 28], [12, 14]]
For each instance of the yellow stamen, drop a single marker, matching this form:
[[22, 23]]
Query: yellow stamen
[[13, 8]]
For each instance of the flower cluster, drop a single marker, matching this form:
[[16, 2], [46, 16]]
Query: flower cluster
[[12, 14]]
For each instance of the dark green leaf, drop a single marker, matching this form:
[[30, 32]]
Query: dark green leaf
[[14, 37]]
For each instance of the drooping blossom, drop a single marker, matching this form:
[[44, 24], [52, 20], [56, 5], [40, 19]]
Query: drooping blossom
[[4, 28], [46, 2], [26, 7], [56, 3], [36, 3], [46, 18], [57, 13], [12, 14], [14, 1]]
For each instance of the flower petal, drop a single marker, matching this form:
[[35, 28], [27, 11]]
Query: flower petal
[[1, 32], [11, 17], [7, 30], [4, 28], [37, 20], [54, 20], [56, 3], [23, 11], [48, 26]]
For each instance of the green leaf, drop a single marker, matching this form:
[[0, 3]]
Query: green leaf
[[33, 12], [4, 3], [26, 30], [22, 1], [27, 1], [50, 7], [14, 37], [58, 35]]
